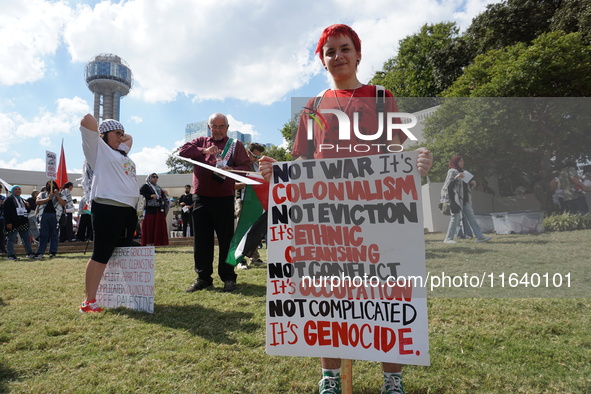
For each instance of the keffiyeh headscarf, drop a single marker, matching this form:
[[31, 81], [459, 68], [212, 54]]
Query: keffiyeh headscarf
[[110, 125]]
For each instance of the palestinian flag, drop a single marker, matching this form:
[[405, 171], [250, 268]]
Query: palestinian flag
[[252, 224]]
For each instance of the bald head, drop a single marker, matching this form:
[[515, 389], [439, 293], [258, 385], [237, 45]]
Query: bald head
[[218, 124]]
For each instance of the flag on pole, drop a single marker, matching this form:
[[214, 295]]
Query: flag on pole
[[62, 174], [252, 224]]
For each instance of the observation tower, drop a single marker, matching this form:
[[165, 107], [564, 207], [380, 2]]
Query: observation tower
[[109, 78]]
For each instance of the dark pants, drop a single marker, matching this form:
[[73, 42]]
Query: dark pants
[[48, 233], [84, 227], [2, 236], [213, 214], [186, 217], [112, 226], [577, 205], [67, 229]]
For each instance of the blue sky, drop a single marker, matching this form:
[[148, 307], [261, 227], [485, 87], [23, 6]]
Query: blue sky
[[189, 58]]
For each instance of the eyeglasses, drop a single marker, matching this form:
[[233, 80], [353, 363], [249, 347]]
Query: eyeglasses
[[155, 176], [255, 156], [119, 133], [215, 126]]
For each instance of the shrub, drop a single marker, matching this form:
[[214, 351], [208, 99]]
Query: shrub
[[567, 222]]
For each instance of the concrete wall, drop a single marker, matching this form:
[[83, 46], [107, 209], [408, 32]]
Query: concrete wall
[[482, 203]]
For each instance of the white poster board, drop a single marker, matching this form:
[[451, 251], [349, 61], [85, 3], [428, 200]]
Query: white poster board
[[50, 165], [345, 241], [468, 176], [128, 280]]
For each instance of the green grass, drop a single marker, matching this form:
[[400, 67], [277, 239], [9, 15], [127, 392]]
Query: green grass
[[214, 342]]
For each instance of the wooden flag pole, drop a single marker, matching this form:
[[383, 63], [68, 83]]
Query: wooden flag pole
[[346, 376]]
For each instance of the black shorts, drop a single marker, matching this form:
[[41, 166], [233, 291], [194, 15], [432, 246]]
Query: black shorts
[[113, 226]]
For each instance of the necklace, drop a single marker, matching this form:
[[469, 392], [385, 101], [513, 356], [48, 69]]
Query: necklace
[[348, 103]]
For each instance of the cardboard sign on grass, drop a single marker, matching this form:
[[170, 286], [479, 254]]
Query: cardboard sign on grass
[[128, 279], [347, 260]]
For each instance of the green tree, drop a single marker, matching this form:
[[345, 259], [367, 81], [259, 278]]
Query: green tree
[[573, 16], [427, 63], [509, 22], [515, 137], [289, 130], [178, 166], [278, 153], [555, 65]]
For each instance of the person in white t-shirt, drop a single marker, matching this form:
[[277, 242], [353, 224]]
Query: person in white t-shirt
[[113, 197]]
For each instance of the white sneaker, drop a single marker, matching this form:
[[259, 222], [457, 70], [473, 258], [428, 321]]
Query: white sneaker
[[449, 241], [242, 266]]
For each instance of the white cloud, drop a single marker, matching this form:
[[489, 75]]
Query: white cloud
[[30, 30], [150, 160], [235, 124], [27, 165], [253, 50], [19, 137], [65, 118]]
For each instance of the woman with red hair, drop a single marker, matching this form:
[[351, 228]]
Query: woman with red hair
[[339, 50], [457, 192]]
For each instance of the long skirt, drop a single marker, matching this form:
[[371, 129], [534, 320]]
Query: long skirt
[[154, 229]]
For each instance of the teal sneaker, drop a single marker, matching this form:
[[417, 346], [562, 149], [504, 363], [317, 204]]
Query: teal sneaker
[[393, 385], [330, 384]]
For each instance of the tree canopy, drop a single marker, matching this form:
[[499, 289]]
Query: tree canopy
[[178, 166], [520, 139], [427, 63], [516, 48]]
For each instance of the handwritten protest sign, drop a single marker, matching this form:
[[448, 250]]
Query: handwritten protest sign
[[50, 165], [128, 279], [347, 260]]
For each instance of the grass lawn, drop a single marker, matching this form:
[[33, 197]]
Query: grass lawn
[[214, 342]]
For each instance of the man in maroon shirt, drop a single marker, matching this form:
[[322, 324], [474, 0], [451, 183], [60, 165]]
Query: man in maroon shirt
[[213, 198]]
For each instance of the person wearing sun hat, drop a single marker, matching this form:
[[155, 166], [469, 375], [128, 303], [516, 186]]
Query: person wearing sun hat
[[110, 185]]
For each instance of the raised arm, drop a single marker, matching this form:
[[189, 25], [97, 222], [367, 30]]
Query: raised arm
[[89, 122], [127, 140]]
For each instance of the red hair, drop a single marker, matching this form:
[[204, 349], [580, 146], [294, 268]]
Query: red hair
[[334, 31], [454, 163]]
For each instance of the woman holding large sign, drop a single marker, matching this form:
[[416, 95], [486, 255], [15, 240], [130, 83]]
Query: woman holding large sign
[[355, 130], [113, 196]]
